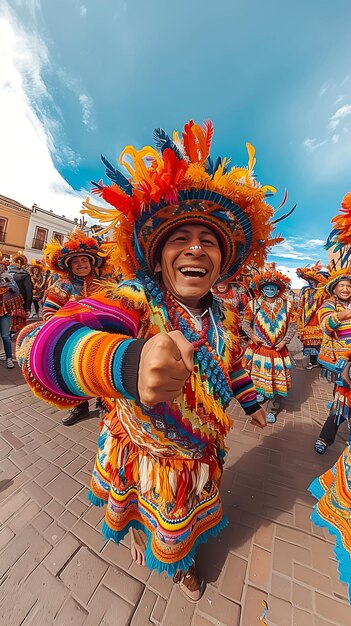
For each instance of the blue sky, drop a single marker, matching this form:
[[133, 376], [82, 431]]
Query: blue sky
[[81, 78]]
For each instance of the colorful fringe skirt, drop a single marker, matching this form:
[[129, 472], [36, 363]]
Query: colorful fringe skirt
[[175, 502], [333, 510], [269, 369]]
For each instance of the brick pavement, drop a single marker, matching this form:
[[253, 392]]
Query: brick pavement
[[55, 567]]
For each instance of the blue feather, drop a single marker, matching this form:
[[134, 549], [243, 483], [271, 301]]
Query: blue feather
[[117, 177], [212, 167], [96, 185], [163, 141]]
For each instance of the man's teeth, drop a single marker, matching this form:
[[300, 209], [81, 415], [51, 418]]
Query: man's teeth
[[200, 270]]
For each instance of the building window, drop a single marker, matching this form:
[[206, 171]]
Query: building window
[[40, 238], [59, 237], [3, 224]]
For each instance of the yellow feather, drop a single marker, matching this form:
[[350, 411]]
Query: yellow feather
[[252, 161]]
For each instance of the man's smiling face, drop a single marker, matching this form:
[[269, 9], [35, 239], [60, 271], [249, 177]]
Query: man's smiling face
[[190, 263]]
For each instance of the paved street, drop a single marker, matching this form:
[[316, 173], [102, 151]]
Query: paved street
[[55, 567]]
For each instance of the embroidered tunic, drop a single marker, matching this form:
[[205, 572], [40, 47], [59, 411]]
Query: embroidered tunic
[[272, 322], [63, 290], [157, 468], [308, 328]]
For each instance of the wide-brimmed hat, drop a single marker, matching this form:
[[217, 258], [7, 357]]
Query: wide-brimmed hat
[[270, 276], [57, 256], [19, 257], [180, 183]]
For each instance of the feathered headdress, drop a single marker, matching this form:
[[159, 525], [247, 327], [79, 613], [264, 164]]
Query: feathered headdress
[[36, 263], [180, 182], [270, 276], [315, 272], [339, 240], [57, 255], [335, 277]]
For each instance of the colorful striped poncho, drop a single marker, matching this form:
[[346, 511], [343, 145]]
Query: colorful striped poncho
[[272, 322], [63, 290], [333, 510], [157, 468]]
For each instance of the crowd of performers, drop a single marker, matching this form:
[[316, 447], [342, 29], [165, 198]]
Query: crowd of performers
[[164, 326]]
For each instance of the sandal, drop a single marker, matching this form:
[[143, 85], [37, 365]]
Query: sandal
[[311, 366], [189, 584], [271, 418], [138, 546], [320, 446]]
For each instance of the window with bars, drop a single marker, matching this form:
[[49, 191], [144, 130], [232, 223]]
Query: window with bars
[[40, 238]]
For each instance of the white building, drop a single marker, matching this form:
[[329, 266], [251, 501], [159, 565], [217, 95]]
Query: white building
[[43, 227]]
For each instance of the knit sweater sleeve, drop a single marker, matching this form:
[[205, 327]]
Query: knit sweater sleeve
[[328, 318], [79, 352], [243, 388]]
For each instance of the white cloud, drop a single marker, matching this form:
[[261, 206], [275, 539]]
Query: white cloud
[[339, 99], [335, 138], [312, 144], [83, 10], [287, 250], [87, 105], [28, 132], [324, 88], [345, 80], [342, 112], [314, 243]]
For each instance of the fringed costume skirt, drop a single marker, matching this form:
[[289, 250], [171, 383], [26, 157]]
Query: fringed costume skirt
[[269, 369], [333, 510], [175, 501]]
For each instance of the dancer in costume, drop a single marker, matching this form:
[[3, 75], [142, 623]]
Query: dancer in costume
[[36, 271], [10, 300], [335, 321], [269, 324], [21, 275], [311, 298], [159, 347], [79, 263]]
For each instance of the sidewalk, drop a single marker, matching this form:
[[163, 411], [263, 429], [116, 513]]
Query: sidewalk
[[55, 567]]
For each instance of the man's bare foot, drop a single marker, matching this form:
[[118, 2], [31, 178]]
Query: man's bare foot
[[138, 546]]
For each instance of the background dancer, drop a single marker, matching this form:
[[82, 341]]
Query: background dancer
[[311, 298], [269, 324]]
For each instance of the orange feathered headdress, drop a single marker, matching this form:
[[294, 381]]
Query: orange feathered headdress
[[267, 276], [179, 182], [57, 255], [36, 263], [315, 272]]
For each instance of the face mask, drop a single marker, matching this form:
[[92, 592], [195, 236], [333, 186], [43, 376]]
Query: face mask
[[270, 290]]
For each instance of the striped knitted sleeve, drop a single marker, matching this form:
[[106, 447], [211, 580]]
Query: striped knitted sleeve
[[328, 318], [79, 352], [243, 388]]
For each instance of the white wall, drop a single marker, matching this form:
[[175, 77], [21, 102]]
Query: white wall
[[50, 221]]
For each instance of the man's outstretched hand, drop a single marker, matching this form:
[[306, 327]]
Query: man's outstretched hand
[[166, 362]]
